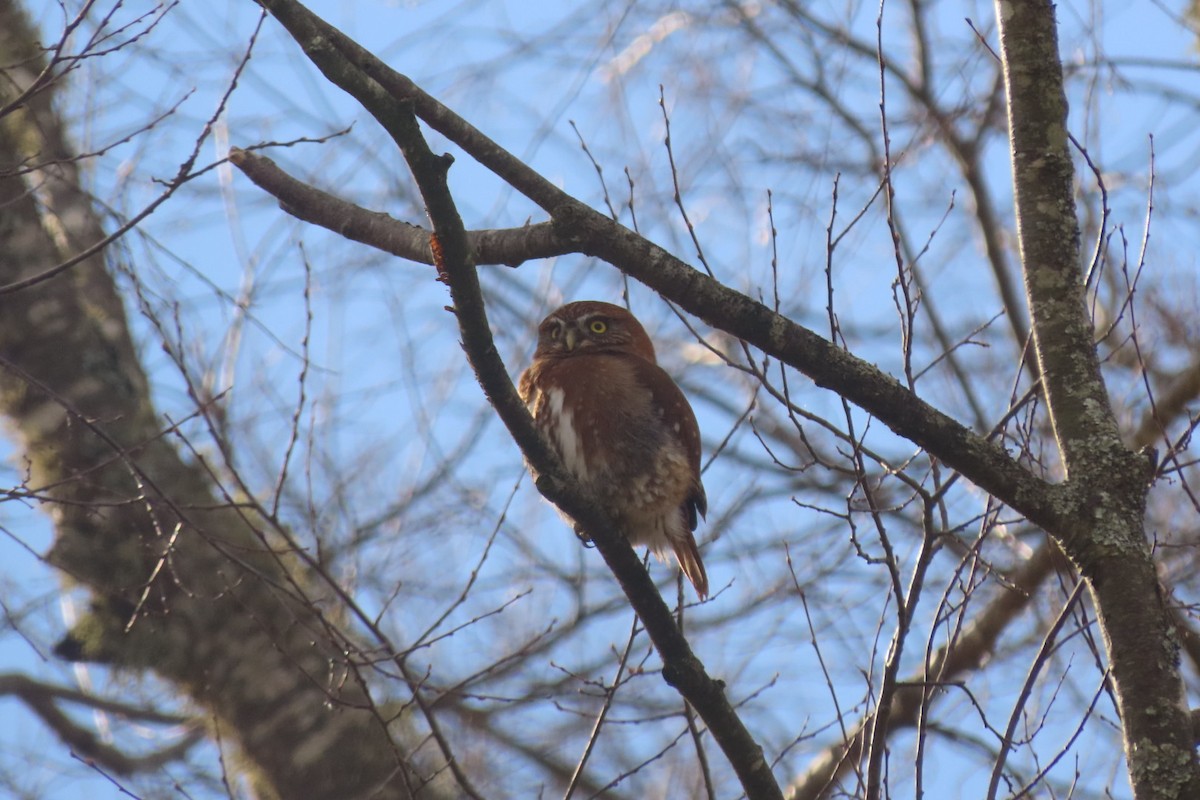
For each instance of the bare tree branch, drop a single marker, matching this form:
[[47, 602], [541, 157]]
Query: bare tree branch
[[511, 247]]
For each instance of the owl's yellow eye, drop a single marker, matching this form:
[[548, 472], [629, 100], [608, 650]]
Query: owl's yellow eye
[[598, 326], [554, 334]]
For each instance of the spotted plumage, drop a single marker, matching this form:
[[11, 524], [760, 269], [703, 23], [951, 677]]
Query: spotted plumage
[[621, 426]]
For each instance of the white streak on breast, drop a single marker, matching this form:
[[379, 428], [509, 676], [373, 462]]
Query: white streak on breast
[[570, 446]]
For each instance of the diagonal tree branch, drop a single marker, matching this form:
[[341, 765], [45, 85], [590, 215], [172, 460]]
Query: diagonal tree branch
[[452, 254], [984, 463]]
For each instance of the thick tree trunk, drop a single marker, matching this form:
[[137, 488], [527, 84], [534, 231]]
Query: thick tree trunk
[[1108, 482], [185, 585]]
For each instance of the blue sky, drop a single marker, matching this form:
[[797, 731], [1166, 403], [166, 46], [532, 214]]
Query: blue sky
[[389, 395]]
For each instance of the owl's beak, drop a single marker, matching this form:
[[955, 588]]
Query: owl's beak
[[570, 338]]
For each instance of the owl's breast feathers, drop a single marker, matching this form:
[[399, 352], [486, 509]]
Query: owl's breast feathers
[[621, 426]]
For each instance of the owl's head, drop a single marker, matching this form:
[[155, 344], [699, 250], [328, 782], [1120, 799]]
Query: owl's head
[[590, 326]]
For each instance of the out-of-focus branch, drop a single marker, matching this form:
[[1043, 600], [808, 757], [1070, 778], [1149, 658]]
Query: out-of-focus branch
[[1167, 406], [181, 585], [42, 699], [25, 687]]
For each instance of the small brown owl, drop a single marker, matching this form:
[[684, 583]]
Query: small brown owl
[[621, 426]]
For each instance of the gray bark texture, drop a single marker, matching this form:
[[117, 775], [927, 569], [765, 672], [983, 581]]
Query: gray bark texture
[[1105, 536]]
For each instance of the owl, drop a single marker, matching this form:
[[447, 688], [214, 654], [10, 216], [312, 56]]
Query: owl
[[621, 426]]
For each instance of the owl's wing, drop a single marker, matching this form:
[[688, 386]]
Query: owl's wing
[[678, 414], [525, 384]]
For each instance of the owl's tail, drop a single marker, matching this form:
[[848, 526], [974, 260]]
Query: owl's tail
[[688, 556]]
